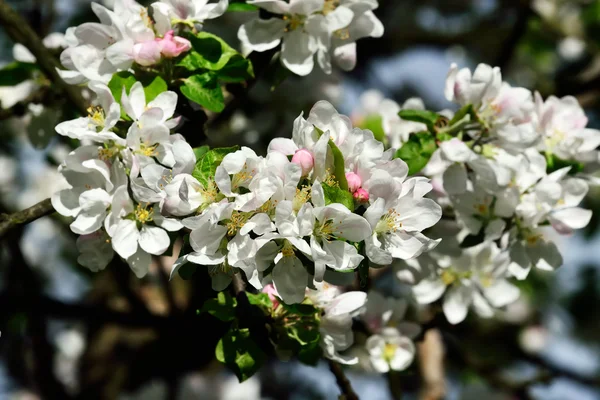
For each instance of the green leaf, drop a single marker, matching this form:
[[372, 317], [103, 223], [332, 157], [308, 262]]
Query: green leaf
[[204, 89], [153, 86], [223, 307], [238, 7], [304, 310], [428, 118], [237, 69], [417, 151], [17, 72], [206, 164], [208, 52], [200, 151], [339, 167], [460, 114], [310, 354], [335, 194], [240, 353], [553, 163], [374, 123], [260, 299]]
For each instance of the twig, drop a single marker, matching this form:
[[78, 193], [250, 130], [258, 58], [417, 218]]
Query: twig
[[431, 363], [20, 31], [342, 381], [26, 216], [507, 51]]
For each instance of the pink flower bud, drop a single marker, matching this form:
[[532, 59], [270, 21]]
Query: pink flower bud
[[273, 295], [304, 159], [361, 195], [147, 53], [354, 181], [172, 46]]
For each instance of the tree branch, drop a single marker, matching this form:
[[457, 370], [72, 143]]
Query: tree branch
[[342, 381], [20, 31], [39, 210]]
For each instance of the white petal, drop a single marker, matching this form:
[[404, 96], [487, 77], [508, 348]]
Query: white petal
[[456, 303], [140, 263], [154, 240], [261, 34], [290, 279], [125, 238]]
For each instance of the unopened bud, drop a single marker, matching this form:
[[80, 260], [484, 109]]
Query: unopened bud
[[354, 181], [361, 195], [305, 160], [172, 46], [273, 295], [147, 53]]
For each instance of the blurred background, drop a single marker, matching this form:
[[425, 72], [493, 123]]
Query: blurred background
[[68, 333]]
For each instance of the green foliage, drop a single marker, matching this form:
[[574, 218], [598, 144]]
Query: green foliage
[[300, 333], [16, 72], [240, 353], [210, 62], [153, 86], [553, 163], [200, 151], [261, 300], [241, 6], [339, 168], [428, 118], [374, 123], [460, 114], [591, 20], [207, 163], [204, 89], [223, 307], [335, 194], [417, 151]]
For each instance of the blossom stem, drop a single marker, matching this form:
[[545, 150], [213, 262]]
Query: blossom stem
[[342, 381], [20, 31], [9, 221]]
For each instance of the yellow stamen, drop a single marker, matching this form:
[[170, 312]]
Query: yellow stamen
[[389, 223], [143, 214], [389, 351], [330, 6]]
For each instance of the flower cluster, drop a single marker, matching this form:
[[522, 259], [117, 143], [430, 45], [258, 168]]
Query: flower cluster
[[316, 205], [123, 179], [132, 34], [306, 28], [508, 164]]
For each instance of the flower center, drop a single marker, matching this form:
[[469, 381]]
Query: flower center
[[288, 249], [143, 214], [301, 197], [450, 276], [389, 351], [330, 6], [107, 153], [294, 21], [236, 222], [326, 230], [242, 178], [149, 151], [210, 193], [389, 223], [96, 116]]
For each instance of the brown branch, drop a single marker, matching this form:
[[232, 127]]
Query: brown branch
[[39, 210], [431, 364], [342, 381], [20, 31]]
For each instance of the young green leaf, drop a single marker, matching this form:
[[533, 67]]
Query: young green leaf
[[335, 194], [237, 69], [204, 89], [200, 151], [208, 52], [339, 168], [241, 7], [374, 123], [428, 118], [417, 151], [16, 72], [223, 307], [240, 353], [153, 86], [260, 299], [206, 164]]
